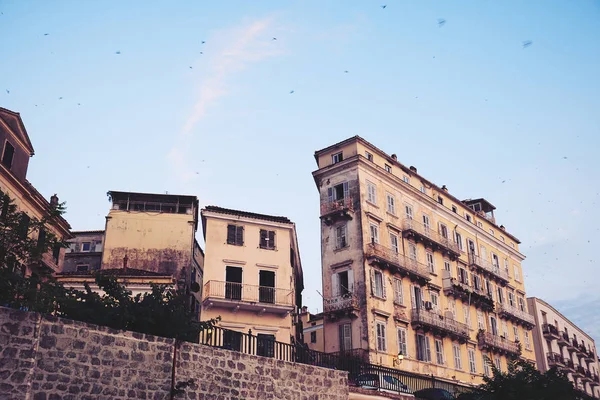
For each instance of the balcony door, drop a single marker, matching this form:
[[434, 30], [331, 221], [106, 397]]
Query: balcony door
[[265, 345], [417, 297], [266, 291], [233, 283], [494, 326]]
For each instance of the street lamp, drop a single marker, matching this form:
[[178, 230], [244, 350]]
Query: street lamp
[[398, 359]]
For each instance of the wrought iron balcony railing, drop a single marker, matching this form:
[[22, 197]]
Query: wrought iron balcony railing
[[441, 325], [341, 209], [554, 359], [496, 343], [427, 233], [241, 292], [488, 268], [515, 315], [460, 290], [397, 262], [347, 302], [563, 339], [568, 363], [550, 331]]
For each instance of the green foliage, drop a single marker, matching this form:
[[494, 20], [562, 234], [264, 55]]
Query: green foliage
[[163, 311], [523, 381]]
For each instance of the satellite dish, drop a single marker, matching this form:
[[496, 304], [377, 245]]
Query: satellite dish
[[195, 287]]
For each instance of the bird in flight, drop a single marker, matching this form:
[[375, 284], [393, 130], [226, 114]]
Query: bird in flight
[[7, 91], [79, 105], [346, 71], [527, 43], [46, 34], [274, 38], [291, 92], [60, 98], [203, 42], [441, 22], [201, 53], [190, 67], [564, 158], [384, 6], [117, 52]]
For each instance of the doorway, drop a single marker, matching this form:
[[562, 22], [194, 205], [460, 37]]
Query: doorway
[[266, 291], [233, 283]]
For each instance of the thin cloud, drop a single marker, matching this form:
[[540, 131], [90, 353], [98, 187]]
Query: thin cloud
[[240, 46]]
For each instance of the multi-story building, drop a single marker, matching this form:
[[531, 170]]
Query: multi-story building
[[560, 343], [408, 269], [253, 276], [84, 252], [14, 161], [312, 328]]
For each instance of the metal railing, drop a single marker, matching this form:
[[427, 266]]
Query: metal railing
[[487, 266], [424, 231], [345, 204], [348, 301], [569, 364], [449, 283], [399, 260], [549, 329], [563, 338], [360, 371], [554, 359], [248, 293], [432, 319], [515, 312], [580, 370], [488, 339]]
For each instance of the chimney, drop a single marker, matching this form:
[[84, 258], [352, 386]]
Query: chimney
[[304, 310], [413, 169], [444, 188], [502, 227], [54, 200], [394, 157]]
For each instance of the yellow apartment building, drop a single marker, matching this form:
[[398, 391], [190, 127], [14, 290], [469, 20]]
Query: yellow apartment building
[[253, 276], [14, 161], [312, 329], [560, 343], [414, 278]]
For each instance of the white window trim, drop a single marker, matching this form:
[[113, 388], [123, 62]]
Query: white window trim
[[393, 203], [371, 194], [374, 238]]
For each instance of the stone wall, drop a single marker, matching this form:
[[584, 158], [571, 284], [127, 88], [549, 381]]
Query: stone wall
[[48, 358]]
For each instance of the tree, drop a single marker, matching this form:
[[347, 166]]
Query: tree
[[523, 381]]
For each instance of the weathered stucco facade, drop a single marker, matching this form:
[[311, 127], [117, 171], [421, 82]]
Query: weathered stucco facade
[[409, 269], [253, 276]]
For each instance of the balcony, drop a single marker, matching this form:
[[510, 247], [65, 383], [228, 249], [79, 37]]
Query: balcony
[[515, 315], [453, 287], [339, 306], [588, 355], [238, 296], [563, 339], [487, 268], [588, 376], [429, 321], [550, 331], [497, 344], [568, 365], [580, 371], [422, 233], [595, 380], [337, 210], [554, 360], [397, 263]]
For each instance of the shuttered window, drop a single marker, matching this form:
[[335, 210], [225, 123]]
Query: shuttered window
[[377, 284], [345, 335], [423, 348], [472, 366], [381, 344], [267, 239], [402, 348], [235, 235]]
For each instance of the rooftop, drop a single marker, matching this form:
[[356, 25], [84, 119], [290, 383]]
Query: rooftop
[[120, 272], [246, 214], [114, 195]]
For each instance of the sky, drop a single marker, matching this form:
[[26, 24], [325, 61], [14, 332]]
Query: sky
[[229, 100]]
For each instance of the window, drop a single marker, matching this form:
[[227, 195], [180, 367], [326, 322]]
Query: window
[[504, 329], [498, 363], [313, 337], [517, 275], [439, 352], [388, 168], [394, 242], [371, 193], [468, 217], [502, 239], [426, 222], [235, 235], [522, 304], [86, 246], [466, 315], [340, 236], [342, 283], [430, 262], [511, 298], [409, 211], [369, 156], [265, 345], [480, 320], [83, 267], [477, 282], [494, 326], [345, 335], [527, 343], [412, 251], [402, 347], [56, 253], [452, 307], [391, 204], [405, 179], [267, 239], [378, 284], [41, 240], [374, 228], [8, 154], [423, 349], [500, 295], [447, 265], [423, 189], [457, 357], [463, 276], [381, 345], [398, 293], [435, 301], [486, 364], [492, 232], [472, 366], [459, 242], [444, 231], [479, 224], [337, 157], [338, 192], [454, 209], [506, 266]]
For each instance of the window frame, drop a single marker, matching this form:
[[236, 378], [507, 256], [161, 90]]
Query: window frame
[[380, 335], [337, 157], [471, 357], [341, 236], [379, 282], [89, 250], [423, 349], [401, 334], [237, 234], [390, 206], [371, 193], [270, 243], [457, 355], [439, 351], [458, 240], [398, 291], [313, 337], [430, 261], [369, 156], [388, 168], [409, 212], [12, 156], [394, 242], [374, 232]]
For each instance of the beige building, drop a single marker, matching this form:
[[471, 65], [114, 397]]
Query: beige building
[[560, 343], [14, 161], [410, 269], [312, 329], [253, 276]]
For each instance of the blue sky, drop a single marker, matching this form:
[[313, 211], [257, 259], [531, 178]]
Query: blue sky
[[465, 102]]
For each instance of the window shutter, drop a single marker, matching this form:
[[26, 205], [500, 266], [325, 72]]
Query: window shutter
[[427, 349], [272, 239], [263, 238], [239, 235], [335, 285], [231, 234], [372, 273], [347, 336], [341, 336], [330, 194], [351, 280], [412, 297], [383, 285], [346, 190]]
